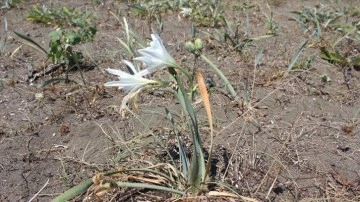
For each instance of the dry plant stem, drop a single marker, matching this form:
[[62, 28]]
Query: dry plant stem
[[267, 173], [232, 154], [256, 104], [271, 187], [42, 188]]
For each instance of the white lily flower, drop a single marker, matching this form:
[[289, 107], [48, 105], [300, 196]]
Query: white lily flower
[[155, 56], [128, 82]]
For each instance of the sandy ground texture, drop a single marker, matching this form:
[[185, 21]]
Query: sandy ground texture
[[296, 139]]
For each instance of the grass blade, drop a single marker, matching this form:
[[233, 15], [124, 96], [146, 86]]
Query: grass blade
[[296, 56], [28, 41]]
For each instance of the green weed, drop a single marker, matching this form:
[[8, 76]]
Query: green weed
[[204, 12], [63, 17], [74, 28], [153, 11]]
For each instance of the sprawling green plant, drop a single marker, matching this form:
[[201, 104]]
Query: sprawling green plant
[[63, 17], [61, 46], [339, 59], [74, 28], [233, 37], [316, 18], [153, 11], [191, 175]]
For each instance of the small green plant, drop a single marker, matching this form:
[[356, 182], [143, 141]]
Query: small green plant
[[153, 11], [61, 46], [346, 63], [234, 39], [318, 18], [271, 26], [349, 31], [62, 43], [340, 59], [63, 17], [204, 12], [74, 28]]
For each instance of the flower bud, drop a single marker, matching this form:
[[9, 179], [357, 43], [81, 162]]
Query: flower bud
[[199, 44], [190, 46]]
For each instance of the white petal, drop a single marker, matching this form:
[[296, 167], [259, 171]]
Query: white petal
[[129, 64], [119, 73], [130, 83], [155, 56]]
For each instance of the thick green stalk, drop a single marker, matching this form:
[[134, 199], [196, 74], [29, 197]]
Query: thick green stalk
[[221, 75]]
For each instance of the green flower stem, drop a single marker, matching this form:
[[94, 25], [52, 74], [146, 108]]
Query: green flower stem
[[178, 67], [156, 84], [221, 75]]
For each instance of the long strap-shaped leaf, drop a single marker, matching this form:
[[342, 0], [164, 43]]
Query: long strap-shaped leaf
[[28, 41], [197, 168], [74, 191], [296, 56], [182, 153]]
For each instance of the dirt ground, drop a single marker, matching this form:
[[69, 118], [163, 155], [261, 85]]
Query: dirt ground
[[297, 140]]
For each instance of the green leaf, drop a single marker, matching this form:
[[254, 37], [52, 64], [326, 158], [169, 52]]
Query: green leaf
[[221, 75], [197, 170], [74, 191], [183, 157], [333, 58], [297, 54], [325, 54], [55, 35]]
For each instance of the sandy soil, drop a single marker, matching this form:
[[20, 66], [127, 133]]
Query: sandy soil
[[298, 139]]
